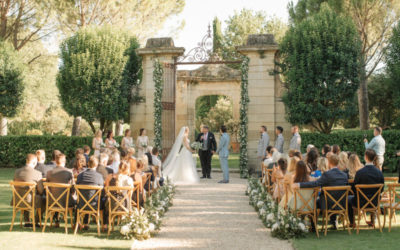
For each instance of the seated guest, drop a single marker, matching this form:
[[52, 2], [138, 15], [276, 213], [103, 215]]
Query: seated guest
[[309, 147], [278, 177], [86, 153], [148, 154], [275, 157], [354, 165], [332, 177], [336, 149], [343, 161], [29, 174], [298, 155], [90, 177], [311, 161], [116, 160], [78, 151], [288, 180], [322, 164], [41, 167], [138, 174], [129, 157], [369, 174], [157, 166], [326, 149], [268, 156], [53, 158], [301, 175], [80, 165], [60, 174], [102, 168]]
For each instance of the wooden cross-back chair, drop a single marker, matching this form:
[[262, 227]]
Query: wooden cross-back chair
[[280, 186], [386, 197], [119, 203], [136, 193], [369, 206], [263, 174], [146, 179], [393, 206], [306, 206], [20, 203], [336, 207], [87, 208], [53, 204], [270, 184], [288, 192]]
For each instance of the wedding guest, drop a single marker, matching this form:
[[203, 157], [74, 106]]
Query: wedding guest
[[263, 143], [279, 139], [97, 142], [86, 153], [137, 177], [41, 167], [298, 155], [129, 157], [110, 141], [354, 165], [332, 177], [336, 149], [78, 151], [288, 180], [322, 164], [311, 161], [92, 178], [223, 152], [102, 168], [157, 166], [80, 165], [295, 142], [29, 174], [149, 158], [309, 147], [127, 140], [278, 177], [268, 156], [275, 157], [326, 149], [63, 175], [378, 145], [54, 154], [343, 161], [369, 174], [116, 160], [142, 142]]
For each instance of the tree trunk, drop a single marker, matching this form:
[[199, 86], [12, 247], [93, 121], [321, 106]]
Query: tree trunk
[[119, 128], [76, 126], [92, 127], [3, 126], [363, 101]]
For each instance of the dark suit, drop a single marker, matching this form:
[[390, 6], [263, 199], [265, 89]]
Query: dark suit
[[61, 175], [87, 159], [333, 177], [42, 168], [104, 171], [205, 153], [367, 175], [92, 178], [28, 174]]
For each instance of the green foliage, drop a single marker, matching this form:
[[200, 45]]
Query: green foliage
[[243, 123], [353, 141], [305, 8], [381, 95], [219, 114], [217, 37], [90, 76], [11, 80], [158, 90], [320, 67], [393, 64]]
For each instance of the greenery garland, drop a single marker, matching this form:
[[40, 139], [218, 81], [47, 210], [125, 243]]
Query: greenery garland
[[243, 124], [158, 86]]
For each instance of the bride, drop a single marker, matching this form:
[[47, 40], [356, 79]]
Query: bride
[[180, 166]]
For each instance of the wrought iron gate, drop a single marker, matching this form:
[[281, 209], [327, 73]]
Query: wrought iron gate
[[168, 104]]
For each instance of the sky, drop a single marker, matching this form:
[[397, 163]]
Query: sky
[[198, 14]]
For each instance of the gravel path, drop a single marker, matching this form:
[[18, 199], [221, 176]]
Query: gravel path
[[212, 216]]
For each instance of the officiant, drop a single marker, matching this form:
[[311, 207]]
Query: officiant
[[209, 146]]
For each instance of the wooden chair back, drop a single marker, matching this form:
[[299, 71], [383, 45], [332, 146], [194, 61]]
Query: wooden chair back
[[394, 205], [263, 173], [280, 188], [288, 191], [308, 205], [270, 184], [386, 197], [147, 180], [136, 194], [119, 203], [20, 202]]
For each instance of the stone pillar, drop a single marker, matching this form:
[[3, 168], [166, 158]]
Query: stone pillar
[[142, 114], [263, 105]]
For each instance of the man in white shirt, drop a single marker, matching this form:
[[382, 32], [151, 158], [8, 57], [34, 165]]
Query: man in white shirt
[[156, 163], [279, 139], [378, 145]]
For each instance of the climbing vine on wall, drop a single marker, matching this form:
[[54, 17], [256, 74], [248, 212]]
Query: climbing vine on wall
[[158, 85], [244, 101]]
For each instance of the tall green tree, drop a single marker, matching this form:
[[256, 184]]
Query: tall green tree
[[217, 37], [11, 84], [392, 60], [320, 64], [90, 79], [374, 20]]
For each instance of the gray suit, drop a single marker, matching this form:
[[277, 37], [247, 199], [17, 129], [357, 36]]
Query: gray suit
[[295, 142], [279, 143], [263, 143], [61, 175], [223, 152]]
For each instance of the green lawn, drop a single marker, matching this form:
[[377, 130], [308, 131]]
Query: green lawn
[[233, 162]]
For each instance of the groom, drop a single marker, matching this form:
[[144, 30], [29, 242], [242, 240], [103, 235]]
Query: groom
[[206, 152]]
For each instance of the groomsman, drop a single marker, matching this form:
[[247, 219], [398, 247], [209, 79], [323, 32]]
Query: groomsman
[[223, 152], [295, 142], [206, 152], [263, 143], [279, 139]]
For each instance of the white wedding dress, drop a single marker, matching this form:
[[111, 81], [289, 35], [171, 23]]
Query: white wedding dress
[[180, 166]]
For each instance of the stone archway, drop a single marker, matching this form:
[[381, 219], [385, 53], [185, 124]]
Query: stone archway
[[210, 79]]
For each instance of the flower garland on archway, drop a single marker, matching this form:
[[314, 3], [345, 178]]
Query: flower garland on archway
[[158, 90], [243, 124]]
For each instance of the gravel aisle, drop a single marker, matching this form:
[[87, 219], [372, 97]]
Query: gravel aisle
[[212, 216]]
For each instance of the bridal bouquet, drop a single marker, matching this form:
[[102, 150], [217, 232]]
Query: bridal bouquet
[[144, 145], [196, 145]]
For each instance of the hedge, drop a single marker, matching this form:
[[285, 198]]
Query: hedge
[[354, 141], [13, 149]]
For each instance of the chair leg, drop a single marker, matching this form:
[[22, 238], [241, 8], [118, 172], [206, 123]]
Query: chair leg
[[51, 219], [390, 218], [378, 214], [326, 222], [45, 220], [66, 221], [39, 211], [110, 222], [71, 218], [358, 219], [13, 219], [98, 224], [20, 217], [77, 221], [346, 219], [33, 219], [384, 217]]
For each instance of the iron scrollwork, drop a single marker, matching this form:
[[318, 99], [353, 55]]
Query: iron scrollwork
[[202, 52]]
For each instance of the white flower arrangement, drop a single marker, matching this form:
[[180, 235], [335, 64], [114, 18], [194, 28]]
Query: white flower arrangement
[[196, 145]]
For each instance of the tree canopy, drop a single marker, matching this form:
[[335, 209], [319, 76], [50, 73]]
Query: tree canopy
[[392, 60], [320, 64]]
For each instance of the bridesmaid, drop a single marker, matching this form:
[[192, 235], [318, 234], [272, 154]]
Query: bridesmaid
[[96, 143], [127, 141], [110, 141], [142, 142]]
